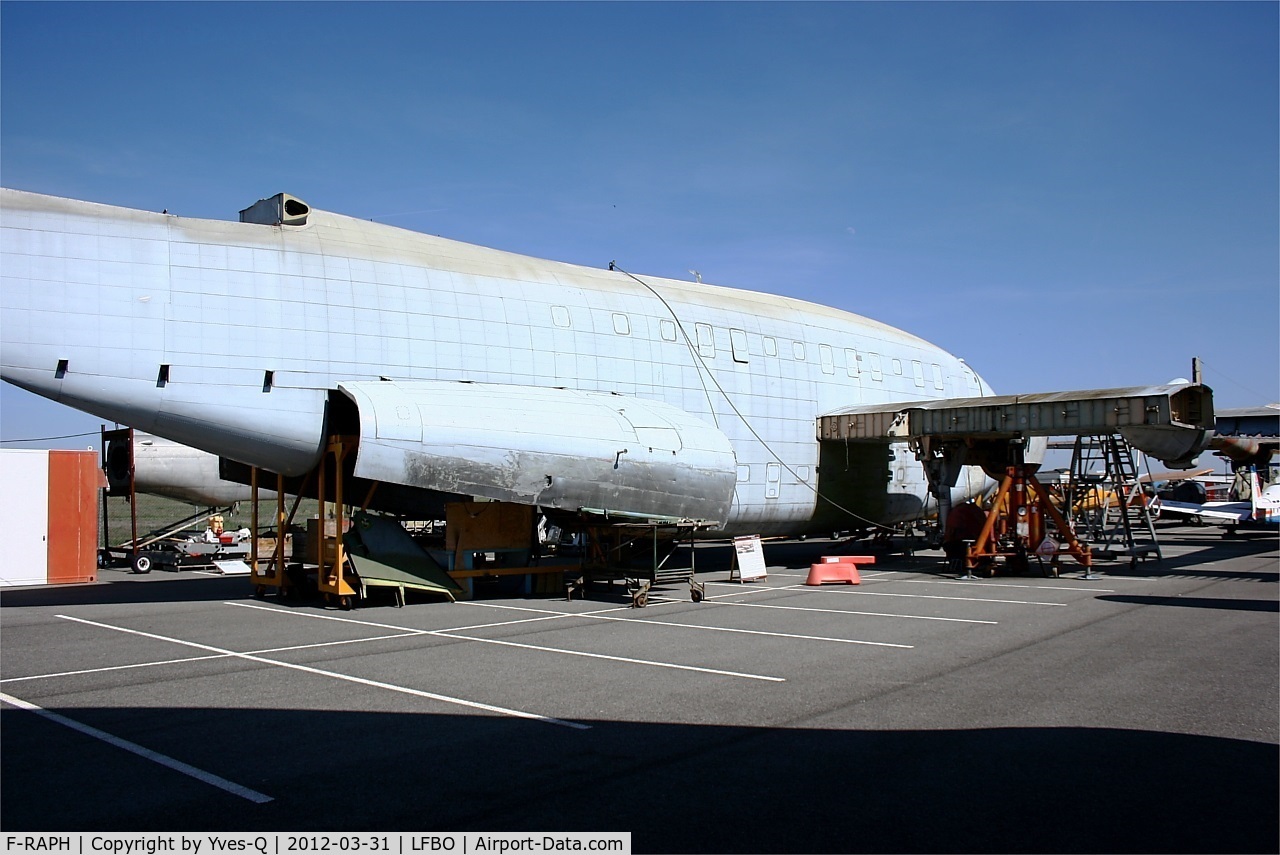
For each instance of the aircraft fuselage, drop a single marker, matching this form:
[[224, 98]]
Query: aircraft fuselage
[[231, 337]]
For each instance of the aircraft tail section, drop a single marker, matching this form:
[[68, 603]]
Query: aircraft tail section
[[1265, 503]]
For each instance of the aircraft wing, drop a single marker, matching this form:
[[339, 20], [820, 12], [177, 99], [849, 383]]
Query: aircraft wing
[[1172, 422], [1230, 512]]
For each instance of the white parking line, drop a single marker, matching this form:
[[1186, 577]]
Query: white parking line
[[453, 634], [846, 591], [186, 659], [134, 748], [848, 612], [113, 668], [647, 622], [969, 584], [335, 675]]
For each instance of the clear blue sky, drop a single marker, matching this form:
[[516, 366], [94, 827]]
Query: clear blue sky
[[1068, 195]]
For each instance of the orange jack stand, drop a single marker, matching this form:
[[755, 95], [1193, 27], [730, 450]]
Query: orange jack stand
[[1015, 527]]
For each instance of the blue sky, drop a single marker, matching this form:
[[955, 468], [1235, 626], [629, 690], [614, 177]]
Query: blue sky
[[1068, 195]]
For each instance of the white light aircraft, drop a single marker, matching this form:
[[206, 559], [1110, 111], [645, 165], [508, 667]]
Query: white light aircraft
[[1262, 508], [463, 371]]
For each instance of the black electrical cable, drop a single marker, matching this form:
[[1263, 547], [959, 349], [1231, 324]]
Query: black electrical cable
[[693, 349], [51, 438]]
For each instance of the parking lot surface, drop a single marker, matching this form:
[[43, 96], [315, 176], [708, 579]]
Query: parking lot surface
[[913, 712]]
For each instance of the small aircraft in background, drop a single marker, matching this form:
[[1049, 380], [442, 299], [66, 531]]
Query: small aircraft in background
[[1261, 508], [166, 468]]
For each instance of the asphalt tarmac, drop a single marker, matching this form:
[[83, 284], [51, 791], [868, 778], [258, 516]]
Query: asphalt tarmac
[[1138, 712]]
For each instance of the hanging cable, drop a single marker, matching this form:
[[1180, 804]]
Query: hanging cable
[[704, 367], [51, 438]]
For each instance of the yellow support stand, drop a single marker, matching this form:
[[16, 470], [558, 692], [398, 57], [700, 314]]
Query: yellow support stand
[[331, 578], [271, 574]]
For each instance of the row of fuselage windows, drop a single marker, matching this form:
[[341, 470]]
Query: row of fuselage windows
[[703, 338]]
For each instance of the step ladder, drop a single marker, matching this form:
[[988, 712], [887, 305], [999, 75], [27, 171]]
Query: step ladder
[[1105, 503]]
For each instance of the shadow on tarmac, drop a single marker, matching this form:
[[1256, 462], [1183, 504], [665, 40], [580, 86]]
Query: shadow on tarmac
[[677, 788], [1195, 602]]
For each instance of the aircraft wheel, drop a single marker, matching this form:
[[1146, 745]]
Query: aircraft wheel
[[142, 563]]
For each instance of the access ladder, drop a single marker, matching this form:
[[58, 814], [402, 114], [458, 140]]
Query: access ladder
[[1105, 500]]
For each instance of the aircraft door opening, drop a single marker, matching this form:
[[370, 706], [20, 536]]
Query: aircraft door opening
[[772, 480]]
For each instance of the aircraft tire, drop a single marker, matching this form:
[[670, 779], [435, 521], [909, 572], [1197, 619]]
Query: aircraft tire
[[142, 563]]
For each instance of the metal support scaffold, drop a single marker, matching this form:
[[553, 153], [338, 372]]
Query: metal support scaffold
[[614, 550]]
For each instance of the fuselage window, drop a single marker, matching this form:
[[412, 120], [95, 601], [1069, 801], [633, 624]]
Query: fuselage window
[[802, 472], [876, 372], [560, 316], [851, 358], [897, 367], [828, 359], [797, 350], [937, 377], [706, 341], [917, 372], [621, 324], [668, 330], [738, 340], [770, 346], [744, 473]]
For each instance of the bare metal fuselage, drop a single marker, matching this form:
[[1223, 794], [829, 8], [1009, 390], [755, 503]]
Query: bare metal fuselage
[[468, 370]]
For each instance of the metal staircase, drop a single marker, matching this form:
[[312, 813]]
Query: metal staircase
[[1105, 503]]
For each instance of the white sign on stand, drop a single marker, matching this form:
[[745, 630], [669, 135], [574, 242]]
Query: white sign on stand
[[748, 559]]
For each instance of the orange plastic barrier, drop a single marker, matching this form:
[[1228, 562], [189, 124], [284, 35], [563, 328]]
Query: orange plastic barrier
[[838, 568]]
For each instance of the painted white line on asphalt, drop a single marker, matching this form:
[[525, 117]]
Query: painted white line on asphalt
[[846, 591], [106, 668], [337, 676], [134, 748], [647, 622], [184, 660], [848, 612], [453, 634], [969, 584]]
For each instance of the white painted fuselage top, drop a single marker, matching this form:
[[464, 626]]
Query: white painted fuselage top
[[230, 337]]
